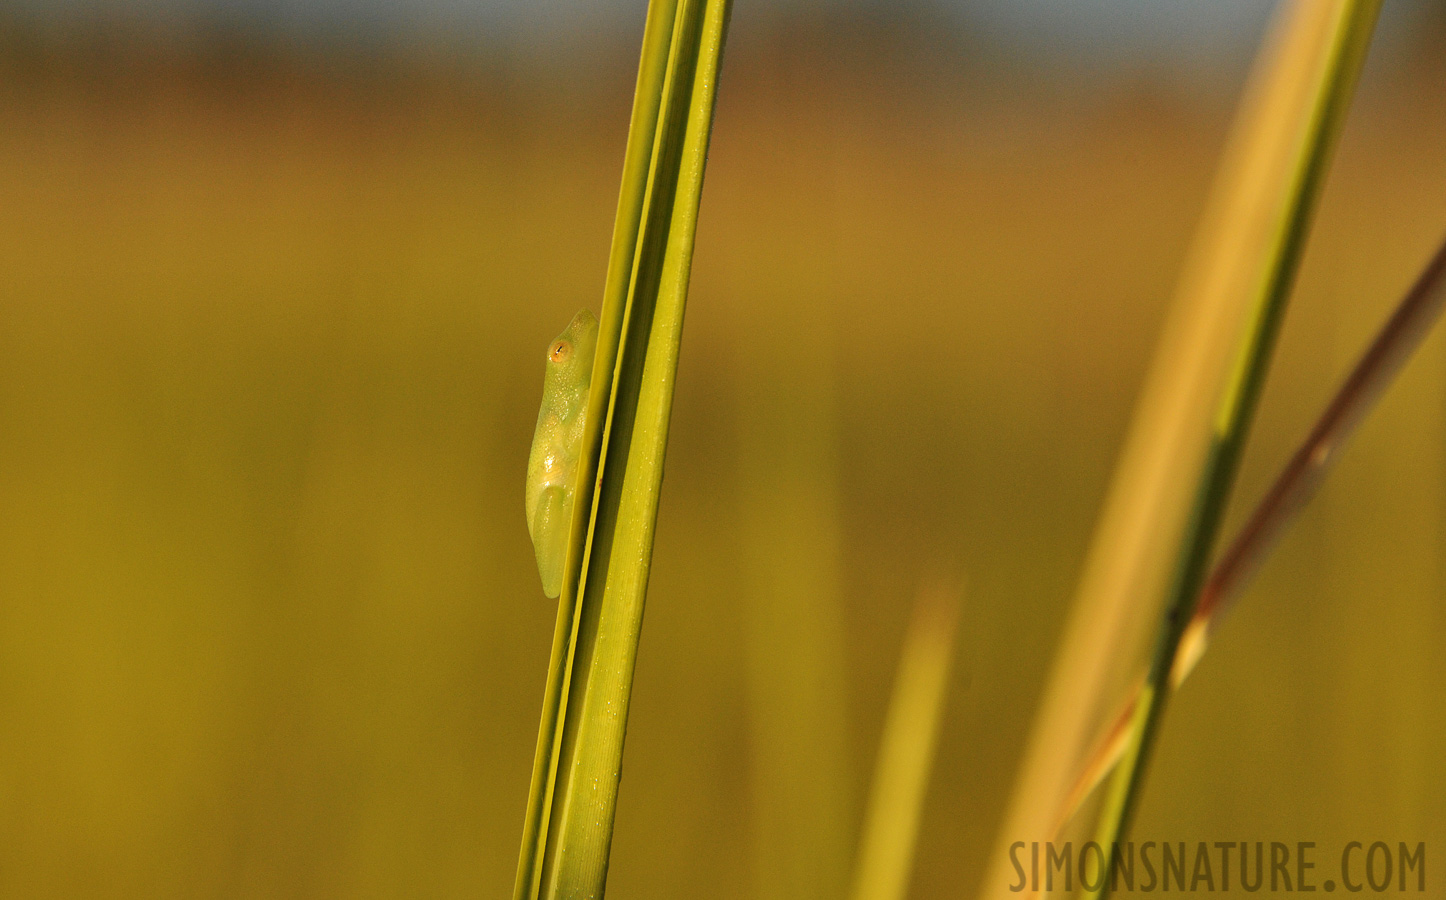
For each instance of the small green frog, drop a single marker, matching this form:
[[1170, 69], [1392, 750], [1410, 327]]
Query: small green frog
[[557, 444]]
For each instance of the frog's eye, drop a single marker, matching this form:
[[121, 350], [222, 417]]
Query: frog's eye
[[559, 351]]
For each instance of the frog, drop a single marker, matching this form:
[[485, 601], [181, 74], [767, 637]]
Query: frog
[[552, 464]]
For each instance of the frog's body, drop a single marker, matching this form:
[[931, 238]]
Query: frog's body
[[557, 445]]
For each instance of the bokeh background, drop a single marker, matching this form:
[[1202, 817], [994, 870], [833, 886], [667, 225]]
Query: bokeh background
[[275, 283]]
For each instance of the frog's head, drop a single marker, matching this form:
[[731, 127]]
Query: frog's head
[[569, 356], [570, 359]]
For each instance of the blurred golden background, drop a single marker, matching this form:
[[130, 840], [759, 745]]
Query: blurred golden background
[[272, 317]]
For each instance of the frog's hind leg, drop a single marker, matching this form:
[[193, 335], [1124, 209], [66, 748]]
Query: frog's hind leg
[[551, 519]]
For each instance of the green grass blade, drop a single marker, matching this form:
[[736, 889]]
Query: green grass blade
[[1329, 87], [1289, 493], [1298, 481], [1187, 429], [567, 832], [657, 39], [906, 751]]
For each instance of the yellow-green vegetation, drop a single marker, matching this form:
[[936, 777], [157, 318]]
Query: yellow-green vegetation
[[910, 738], [1249, 252], [607, 555], [270, 332], [1152, 548]]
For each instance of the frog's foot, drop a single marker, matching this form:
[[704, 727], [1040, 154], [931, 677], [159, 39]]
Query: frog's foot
[[551, 519]]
